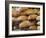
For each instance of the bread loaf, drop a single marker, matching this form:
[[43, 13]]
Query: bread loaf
[[24, 24]]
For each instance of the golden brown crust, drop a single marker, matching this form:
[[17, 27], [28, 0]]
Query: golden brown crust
[[24, 24], [22, 18], [35, 11], [32, 17], [28, 11]]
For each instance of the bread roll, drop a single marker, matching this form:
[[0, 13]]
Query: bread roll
[[21, 18], [24, 24], [22, 13], [32, 17]]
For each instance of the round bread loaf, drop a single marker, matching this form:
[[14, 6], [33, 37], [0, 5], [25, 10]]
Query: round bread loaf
[[24, 24]]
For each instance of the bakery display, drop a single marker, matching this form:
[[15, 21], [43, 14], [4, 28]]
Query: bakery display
[[25, 18]]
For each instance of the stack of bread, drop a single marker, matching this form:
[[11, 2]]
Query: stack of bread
[[26, 18]]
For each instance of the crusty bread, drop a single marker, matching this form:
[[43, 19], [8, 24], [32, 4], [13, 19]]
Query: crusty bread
[[24, 24], [25, 18]]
